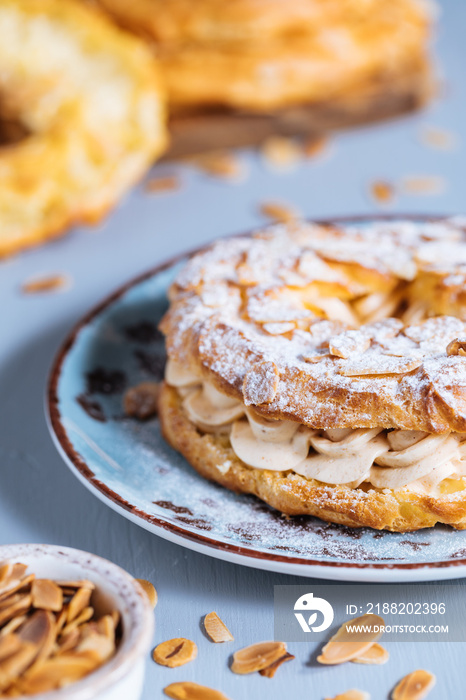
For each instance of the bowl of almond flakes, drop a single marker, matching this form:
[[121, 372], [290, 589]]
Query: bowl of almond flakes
[[72, 625]]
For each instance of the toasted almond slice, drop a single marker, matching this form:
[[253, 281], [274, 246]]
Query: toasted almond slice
[[46, 595], [69, 641], [115, 615], [10, 600], [315, 146], [13, 625], [99, 645], [457, 347], [192, 691], [56, 673], [9, 644], [149, 590], [414, 686], [18, 608], [352, 695], [278, 211], [257, 656], [167, 183], [216, 629], [271, 670], [81, 583], [376, 654], [379, 364], [79, 601], [382, 191], [49, 283], [175, 652], [40, 629], [348, 643], [15, 583], [281, 151], [84, 616], [106, 626], [6, 568], [13, 666]]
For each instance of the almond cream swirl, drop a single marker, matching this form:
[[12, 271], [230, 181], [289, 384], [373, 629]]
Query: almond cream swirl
[[392, 459]]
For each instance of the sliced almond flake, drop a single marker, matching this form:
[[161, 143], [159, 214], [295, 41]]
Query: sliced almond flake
[[149, 590], [382, 191], [56, 673], [175, 652], [84, 616], [222, 164], [414, 686], [377, 364], [9, 644], [279, 328], [316, 356], [257, 657], [40, 629], [271, 670], [80, 583], [348, 643], [216, 628], [457, 347], [438, 138], [79, 601], [349, 343], [106, 626], [97, 645], [49, 283], [12, 625], [281, 152], [423, 185], [313, 147], [46, 595], [18, 608], [68, 641], [376, 654], [14, 583], [15, 664], [6, 568], [352, 695], [278, 211], [166, 183], [186, 690]]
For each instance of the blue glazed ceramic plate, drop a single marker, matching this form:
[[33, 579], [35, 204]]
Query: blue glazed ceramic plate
[[128, 465]]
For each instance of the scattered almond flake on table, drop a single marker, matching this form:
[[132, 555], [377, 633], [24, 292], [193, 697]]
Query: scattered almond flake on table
[[382, 191], [281, 152], [313, 147], [423, 185], [271, 670], [257, 657], [46, 284], [175, 652], [415, 686], [216, 628], [165, 183], [351, 695], [349, 643], [278, 211], [186, 690], [141, 401], [440, 139], [223, 164], [149, 590], [375, 655]]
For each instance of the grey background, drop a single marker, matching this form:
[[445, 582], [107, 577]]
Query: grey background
[[40, 501]]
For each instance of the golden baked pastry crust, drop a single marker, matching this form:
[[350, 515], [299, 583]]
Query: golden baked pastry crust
[[245, 303], [91, 102], [399, 511], [247, 55]]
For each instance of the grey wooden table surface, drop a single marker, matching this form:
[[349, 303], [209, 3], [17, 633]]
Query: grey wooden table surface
[[41, 501]]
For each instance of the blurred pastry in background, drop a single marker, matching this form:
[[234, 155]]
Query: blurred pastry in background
[[344, 61], [83, 117]]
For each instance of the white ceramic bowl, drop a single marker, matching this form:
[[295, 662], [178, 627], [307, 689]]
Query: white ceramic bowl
[[122, 677]]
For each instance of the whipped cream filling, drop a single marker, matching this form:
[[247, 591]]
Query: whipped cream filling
[[387, 459]]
